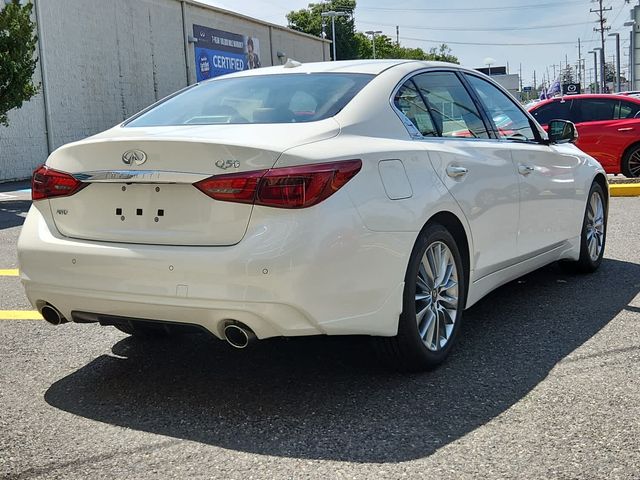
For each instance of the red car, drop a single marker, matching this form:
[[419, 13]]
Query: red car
[[608, 127]]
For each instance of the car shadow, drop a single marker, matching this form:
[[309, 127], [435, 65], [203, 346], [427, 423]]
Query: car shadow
[[329, 398], [13, 212]]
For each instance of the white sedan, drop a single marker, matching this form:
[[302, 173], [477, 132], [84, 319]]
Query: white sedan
[[376, 198]]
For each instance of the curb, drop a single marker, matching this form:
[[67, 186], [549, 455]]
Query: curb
[[625, 190]]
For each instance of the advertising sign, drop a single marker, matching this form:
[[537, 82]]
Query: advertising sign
[[219, 52], [571, 89]]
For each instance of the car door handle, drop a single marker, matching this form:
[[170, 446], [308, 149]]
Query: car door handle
[[525, 169], [625, 129], [456, 172]]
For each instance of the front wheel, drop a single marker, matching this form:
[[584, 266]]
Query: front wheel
[[433, 300], [594, 232]]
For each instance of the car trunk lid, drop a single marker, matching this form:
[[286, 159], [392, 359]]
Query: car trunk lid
[[140, 181]]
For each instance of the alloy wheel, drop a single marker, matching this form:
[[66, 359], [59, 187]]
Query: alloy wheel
[[436, 298], [634, 164], [595, 226]]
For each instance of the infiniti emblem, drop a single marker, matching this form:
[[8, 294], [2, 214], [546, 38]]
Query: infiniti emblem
[[134, 157]]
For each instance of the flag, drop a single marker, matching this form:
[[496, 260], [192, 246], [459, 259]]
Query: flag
[[543, 93], [555, 89]]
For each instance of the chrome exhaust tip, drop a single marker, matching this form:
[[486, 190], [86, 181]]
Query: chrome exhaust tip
[[238, 336], [52, 315]]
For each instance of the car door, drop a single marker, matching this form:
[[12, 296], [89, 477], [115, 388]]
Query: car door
[[549, 192], [479, 174], [601, 134]]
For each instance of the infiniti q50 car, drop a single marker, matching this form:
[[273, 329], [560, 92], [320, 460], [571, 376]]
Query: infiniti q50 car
[[320, 199]]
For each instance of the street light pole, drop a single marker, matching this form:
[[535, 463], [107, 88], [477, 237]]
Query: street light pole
[[333, 14], [617, 35], [595, 68], [632, 55], [373, 39]]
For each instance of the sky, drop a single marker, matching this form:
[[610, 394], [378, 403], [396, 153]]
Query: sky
[[427, 24]]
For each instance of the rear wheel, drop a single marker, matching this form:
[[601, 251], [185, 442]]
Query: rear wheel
[[433, 300], [594, 232], [631, 163]]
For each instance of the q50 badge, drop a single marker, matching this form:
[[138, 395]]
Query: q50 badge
[[225, 164]]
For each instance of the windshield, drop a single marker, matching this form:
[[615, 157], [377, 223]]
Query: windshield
[[288, 98]]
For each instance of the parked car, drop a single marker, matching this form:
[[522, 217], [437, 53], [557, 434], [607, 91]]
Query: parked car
[[320, 199], [632, 93], [608, 127]]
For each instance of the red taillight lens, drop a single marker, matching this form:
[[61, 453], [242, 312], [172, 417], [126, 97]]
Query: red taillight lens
[[305, 185], [47, 183], [291, 187], [234, 187]]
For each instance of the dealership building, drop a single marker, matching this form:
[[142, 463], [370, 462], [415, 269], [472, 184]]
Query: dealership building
[[102, 61]]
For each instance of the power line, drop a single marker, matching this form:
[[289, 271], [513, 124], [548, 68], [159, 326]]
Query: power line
[[479, 9], [510, 44], [477, 29]]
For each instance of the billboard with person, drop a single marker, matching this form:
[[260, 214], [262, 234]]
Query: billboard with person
[[218, 52]]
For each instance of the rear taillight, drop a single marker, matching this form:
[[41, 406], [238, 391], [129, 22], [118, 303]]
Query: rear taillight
[[234, 187], [290, 187], [47, 183]]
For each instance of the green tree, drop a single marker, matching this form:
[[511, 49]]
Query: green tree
[[387, 48], [310, 20], [442, 54], [567, 75], [17, 60], [610, 72]]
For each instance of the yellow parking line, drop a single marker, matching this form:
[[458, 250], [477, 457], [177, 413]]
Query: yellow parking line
[[19, 315], [9, 272]]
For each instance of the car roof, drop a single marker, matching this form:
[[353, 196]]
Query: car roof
[[371, 67], [586, 96]]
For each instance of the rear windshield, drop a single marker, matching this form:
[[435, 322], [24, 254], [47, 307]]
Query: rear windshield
[[289, 98]]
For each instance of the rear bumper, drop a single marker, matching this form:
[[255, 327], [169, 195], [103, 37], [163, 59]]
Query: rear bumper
[[293, 274]]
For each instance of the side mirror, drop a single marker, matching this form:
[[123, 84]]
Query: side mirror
[[562, 131]]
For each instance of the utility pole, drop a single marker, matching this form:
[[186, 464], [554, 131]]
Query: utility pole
[[535, 83], [398, 35], [521, 77], [602, 21], [579, 63]]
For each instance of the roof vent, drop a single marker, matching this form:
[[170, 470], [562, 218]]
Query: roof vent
[[292, 63]]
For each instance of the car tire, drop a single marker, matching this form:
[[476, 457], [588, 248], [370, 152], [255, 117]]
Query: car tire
[[430, 318], [631, 163], [593, 234]]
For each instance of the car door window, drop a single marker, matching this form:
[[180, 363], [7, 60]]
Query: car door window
[[451, 105], [597, 109], [511, 122], [556, 110], [626, 110], [409, 102]]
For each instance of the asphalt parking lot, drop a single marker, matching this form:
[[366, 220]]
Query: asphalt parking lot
[[543, 384]]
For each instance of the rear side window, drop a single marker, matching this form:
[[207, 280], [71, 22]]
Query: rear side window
[[595, 110], [282, 98], [557, 110], [410, 103], [451, 105], [626, 110]]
